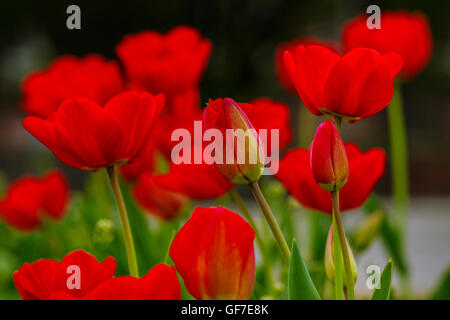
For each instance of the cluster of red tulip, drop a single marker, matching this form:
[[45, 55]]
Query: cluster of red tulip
[[91, 115]]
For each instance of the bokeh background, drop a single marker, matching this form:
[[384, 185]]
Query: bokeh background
[[244, 36]]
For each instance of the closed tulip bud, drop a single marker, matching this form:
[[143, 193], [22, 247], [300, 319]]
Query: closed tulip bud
[[328, 158], [242, 156], [214, 254], [329, 259]]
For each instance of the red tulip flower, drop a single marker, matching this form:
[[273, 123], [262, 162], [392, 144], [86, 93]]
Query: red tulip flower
[[364, 168], [91, 77], [87, 136], [268, 114], [247, 159], [157, 200], [165, 63], [282, 72], [407, 34], [197, 181], [30, 199], [353, 87], [328, 158], [160, 283], [80, 276], [214, 254]]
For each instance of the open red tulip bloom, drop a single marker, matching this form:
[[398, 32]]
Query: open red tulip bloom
[[48, 279], [407, 34], [165, 63], [91, 77], [87, 136], [214, 254], [353, 87], [30, 199], [365, 169], [283, 74]]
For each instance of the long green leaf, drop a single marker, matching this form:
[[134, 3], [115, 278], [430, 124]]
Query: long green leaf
[[300, 284], [385, 283]]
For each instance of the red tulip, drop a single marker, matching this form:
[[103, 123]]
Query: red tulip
[[160, 283], [213, 252], [353, 87], [80, 276], [45, 278], [407, 34], [282, 72], [196, 181], [329, 162], [159, 201], [365, 169], [87, 136], [269, 114], [29, 199], [91, 77], [247, 159], [165, 63]]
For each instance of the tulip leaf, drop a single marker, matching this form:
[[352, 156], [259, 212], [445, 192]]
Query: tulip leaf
[[384, 291], [300, 284], [442, 292]]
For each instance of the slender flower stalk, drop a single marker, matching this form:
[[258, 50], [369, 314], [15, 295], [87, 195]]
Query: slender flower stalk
[[261, 244], [126, 229], [271, 220], [399, 156], [343, 243]]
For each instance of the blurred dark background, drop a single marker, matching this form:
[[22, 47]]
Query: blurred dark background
[[245, 35]]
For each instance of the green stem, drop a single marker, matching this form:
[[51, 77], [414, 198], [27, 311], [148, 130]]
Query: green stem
[[399, 157], [126, 229], [343, 243], [262, 246], [270, 218]]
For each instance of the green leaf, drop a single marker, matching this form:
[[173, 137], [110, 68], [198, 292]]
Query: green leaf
[[385, 283], [442, 292], [300, 284]]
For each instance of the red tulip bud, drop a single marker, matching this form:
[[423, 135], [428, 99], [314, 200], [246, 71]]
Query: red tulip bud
[[328, 158], [243, 159]]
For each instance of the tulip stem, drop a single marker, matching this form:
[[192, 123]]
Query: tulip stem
[[126, 229], [399, 157], [343, 243], [271, 220], [262, 246]]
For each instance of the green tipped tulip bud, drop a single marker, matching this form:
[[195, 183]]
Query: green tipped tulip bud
[[243, 158], [329, 260]]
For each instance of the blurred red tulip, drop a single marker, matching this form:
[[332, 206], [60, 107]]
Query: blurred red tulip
[[160, 283], [407, 34], [269, 114], [46, 278], [87, 136], [214, 254], [248, 162], [80, 276], [328, 158], [159, 201], [165, 63], [282, 72], [196, 181], [92, 77], [353, 87], [365, 169], [29, 199]]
